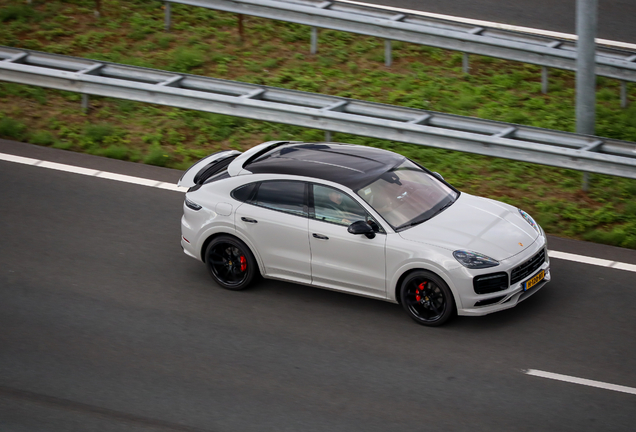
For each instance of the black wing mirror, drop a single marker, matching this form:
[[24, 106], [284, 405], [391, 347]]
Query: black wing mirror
[[438, 175], [361, 227]]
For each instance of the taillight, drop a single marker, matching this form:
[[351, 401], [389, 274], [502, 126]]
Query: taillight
[[192, 205]]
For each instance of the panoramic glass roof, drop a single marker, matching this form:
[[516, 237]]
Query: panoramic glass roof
[[350, 165]]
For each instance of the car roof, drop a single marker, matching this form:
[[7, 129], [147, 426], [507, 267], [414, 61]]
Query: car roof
[[350, 165]]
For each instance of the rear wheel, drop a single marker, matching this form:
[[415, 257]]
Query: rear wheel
[[230, 262], [426, 298]]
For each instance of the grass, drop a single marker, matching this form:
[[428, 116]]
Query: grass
[[273, 53]]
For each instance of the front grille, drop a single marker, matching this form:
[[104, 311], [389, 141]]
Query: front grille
[[524, 270], [490, 283]]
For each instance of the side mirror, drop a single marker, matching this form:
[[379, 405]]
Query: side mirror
[[361, 227], [438, 175]]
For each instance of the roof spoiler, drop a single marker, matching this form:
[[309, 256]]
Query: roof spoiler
[[238, 165], [207, 167]]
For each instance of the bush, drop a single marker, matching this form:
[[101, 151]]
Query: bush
[[184, 59], [11, 13], [115, 152], [42, 138], [11, 128], [97, 133], [157, 156]]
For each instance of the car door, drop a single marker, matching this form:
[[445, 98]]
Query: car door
[[275, 220], [339, 259]]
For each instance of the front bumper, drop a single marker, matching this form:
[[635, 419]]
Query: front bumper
[[483, 304], [512, 296]]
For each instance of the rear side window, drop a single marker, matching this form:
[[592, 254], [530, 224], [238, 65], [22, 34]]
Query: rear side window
[[244, 193], [285, 196]]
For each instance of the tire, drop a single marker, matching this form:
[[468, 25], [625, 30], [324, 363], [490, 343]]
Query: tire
[[230, 262], [426, 298]]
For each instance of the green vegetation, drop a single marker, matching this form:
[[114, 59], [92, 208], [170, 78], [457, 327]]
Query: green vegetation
[[275, 53]]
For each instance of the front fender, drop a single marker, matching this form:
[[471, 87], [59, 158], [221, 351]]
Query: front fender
[[422, 265]]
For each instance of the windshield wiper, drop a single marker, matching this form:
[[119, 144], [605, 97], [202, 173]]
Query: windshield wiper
[[444, 207], [424, 219]]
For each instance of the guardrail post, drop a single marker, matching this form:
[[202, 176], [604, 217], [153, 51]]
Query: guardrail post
[[84, 103], [327, 136], [586, 22], [240, 27], [465, 64], [167, 17], [314, 40], [387, 53], [544, 80], [585, 185], [623, 94]]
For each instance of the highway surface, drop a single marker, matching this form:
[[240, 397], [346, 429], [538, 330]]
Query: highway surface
[[615, 17], [105, 325]]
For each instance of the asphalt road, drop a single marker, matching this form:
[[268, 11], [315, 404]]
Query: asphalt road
[[615, 17], [105, 325]]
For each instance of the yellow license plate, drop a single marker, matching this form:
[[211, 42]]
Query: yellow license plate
[[535, 280]]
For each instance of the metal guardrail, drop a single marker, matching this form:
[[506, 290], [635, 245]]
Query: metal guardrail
[[316, 111], [389, 25]]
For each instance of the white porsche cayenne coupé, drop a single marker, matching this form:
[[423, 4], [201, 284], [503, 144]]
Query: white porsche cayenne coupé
[[363, 221]]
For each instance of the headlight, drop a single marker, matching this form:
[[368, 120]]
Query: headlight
[[529, 219], [474, 260]]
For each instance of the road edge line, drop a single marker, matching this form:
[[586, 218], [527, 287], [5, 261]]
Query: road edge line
[[580, 381]]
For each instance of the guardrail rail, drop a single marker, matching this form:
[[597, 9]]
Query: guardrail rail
[[387, 24], [316, 111]]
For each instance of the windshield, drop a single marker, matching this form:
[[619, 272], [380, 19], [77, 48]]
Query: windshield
[[407, 195]]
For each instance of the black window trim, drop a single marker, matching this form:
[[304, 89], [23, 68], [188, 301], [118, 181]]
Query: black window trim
[[252, 194]]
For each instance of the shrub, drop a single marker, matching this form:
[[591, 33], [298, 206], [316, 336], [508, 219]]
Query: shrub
[[99, 132], [157, 156], [186, 59], [16, 12], [115, 152], [11, 128], [42, 138]]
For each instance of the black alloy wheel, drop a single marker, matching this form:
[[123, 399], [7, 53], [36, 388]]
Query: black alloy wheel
[[426, 298], [230, 262]]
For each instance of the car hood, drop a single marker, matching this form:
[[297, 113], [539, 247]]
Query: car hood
[[476, 224]]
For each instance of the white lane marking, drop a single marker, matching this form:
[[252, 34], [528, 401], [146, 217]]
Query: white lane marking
[[480, 23], [68, 168], [19, 159], [92, 173], [581, 381], [173, 187], [592, 261]]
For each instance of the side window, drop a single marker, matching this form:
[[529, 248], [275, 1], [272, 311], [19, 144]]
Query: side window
[[285, 196], [243, 193], [332, 205]]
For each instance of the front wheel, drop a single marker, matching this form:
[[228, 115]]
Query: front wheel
[[426, 298], [230, 262]]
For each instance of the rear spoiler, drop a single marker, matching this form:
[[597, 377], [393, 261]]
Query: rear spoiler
[[207, 167]]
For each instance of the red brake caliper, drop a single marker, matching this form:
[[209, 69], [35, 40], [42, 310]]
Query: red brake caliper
[[418, 291], [243, 263]]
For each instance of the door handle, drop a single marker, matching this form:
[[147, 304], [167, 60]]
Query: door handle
[[320, 236], [248, 220]]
